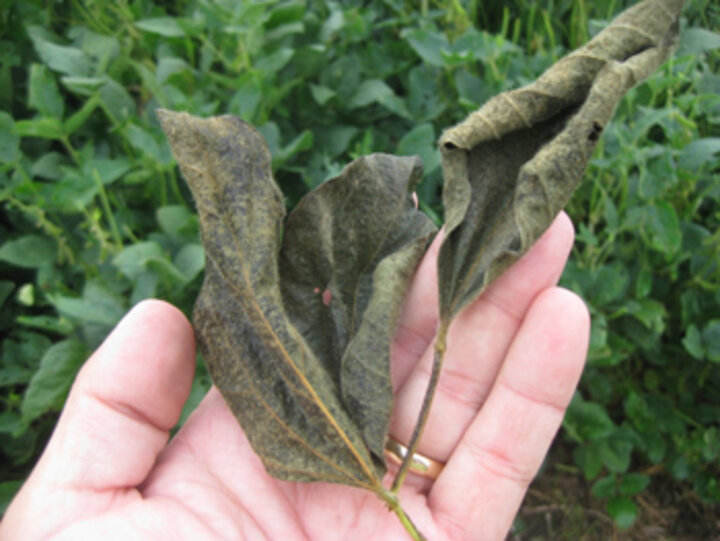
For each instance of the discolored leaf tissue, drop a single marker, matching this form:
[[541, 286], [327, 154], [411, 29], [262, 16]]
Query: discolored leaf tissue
[[511, 166], [296, 315], [296, 334]]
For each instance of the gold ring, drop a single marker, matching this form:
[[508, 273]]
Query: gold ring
[[420, 465]]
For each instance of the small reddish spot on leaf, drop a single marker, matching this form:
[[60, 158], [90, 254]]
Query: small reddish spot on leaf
[[316, 290], [326, 297]]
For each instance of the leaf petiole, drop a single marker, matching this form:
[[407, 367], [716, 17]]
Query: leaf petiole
[[440, 346], [393, 503]]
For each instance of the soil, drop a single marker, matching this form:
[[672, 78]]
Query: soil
[[559, 506]]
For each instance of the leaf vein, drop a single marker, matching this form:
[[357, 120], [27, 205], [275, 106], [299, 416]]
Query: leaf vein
[[292, 433], [305, 383]]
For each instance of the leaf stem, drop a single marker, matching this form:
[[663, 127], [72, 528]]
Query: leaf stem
[[393, 503], [114, 231], [440, 346], [409, 525]]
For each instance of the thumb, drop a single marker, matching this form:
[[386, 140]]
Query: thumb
[[125, 400]]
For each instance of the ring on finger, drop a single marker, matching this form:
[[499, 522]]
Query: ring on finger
[[420, 465]]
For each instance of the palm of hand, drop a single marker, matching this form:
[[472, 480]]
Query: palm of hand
[[513, 363]]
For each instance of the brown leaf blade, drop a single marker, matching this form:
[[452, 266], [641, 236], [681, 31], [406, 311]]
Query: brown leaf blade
[[280, 392], [511, 166], [349, 250]]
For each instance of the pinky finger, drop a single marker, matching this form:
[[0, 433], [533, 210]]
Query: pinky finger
[[483, 484]]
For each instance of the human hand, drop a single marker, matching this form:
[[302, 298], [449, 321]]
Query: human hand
[[514, 358]]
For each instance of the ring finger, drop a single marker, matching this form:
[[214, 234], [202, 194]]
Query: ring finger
[[478, 342]]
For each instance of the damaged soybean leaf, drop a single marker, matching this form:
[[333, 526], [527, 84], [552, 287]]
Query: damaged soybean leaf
[[297, 337], [272, 381], [349, 250], [512, 165]]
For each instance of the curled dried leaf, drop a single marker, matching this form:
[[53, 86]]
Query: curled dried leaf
[[511, 166], [360, 234]]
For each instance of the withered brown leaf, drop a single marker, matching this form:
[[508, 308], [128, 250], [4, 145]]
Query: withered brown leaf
[[512, 165], [298, 344], [349, 250]]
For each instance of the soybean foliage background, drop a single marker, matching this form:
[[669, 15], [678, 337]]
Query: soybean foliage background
[[95, 218]]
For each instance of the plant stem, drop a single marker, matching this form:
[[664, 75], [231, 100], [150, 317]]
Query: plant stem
[[114, 231], [409, 525], [440, 345], [393, 503]]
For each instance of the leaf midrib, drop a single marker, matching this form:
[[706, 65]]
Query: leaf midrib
[[331, 420]]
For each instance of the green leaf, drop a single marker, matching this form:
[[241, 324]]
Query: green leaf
[[8, 490], [176, 219], [50, 384], [144, 286], [133, 260], [336, 139], [661, 227], [146, 143], [376, 91], [44, 95], [633, 483], [49, 166], [302, 142], [655, 447], [711, 340], [85, 86], [615, 453], [45, 128], [275, 61], [6, 288], [190, 261], [698, 40], [693, 342], [20, 356], [428, 44], [513, 165], [610, 285], [605, 487], [699, 152], [9, 139], [162, 26], [650, 312], [116, 100], [623, 511], [322, 94], [29, 251], [248, 93], [588, 458], [343, 278], [97, 306], [587, 420], [63, 59], [109, 170], [79, 118], [11, 422], [425, 95], [286, 13], [421, 141], [46, 323]]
